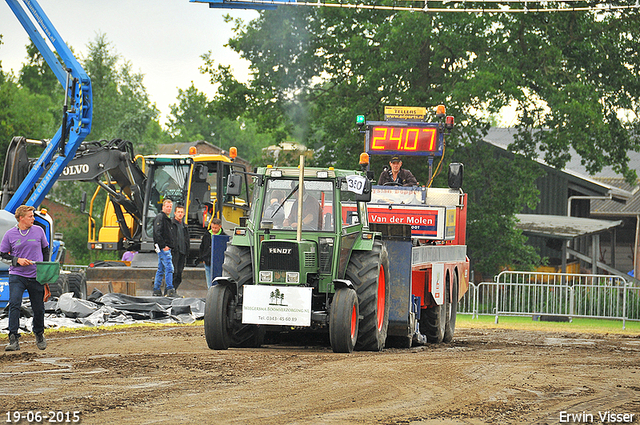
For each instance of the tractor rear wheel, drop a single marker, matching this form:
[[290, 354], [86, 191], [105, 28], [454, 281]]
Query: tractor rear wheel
[[369, 273], [433, 320], [60, 286], [452, 312], [70, 282], [223, 329], [78, 285], [343, 322]]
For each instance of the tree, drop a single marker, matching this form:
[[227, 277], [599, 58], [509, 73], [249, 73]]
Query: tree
[[23, 113], [31, 106], [191, 118], [121, 105], [572, 77], [195, 117], [121, 109], [493, 200], [36, 75]]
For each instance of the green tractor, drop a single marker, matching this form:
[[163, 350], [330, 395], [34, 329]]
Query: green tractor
[[305, 261]]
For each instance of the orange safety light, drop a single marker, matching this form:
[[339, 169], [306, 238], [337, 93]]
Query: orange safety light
[[440, 111], [193, 150], [233, 152], [364, 158], [43, 211]]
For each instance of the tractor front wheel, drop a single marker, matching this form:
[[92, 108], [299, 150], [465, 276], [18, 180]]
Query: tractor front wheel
[[223, 327], [218, 317], [343, 322]]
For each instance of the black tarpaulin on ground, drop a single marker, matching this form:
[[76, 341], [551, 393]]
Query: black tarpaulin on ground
[[111, 309]]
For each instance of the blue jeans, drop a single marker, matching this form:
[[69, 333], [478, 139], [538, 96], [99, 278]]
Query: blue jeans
[[17, 286], [165, 268], [207, 273]]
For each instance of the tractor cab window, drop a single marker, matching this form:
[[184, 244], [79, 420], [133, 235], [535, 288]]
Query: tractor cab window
[[280, 205], [348, 207], [212, 179]]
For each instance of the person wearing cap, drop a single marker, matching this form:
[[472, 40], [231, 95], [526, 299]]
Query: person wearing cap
[[396, 174]]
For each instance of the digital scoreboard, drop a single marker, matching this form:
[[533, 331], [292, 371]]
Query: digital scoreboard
[[403, 138]]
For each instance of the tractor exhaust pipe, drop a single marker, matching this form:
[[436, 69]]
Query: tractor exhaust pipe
[[300, 197]]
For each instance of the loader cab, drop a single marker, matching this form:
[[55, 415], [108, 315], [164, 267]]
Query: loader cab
[[208, 196], [193, 182]]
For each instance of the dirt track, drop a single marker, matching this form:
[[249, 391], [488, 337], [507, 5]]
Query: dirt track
[[168, 375]]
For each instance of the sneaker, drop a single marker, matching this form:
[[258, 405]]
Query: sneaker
[[14, 345], [171, 293], [40, 341], [157, 293]]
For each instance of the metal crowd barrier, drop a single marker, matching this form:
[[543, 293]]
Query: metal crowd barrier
[[555, 294]]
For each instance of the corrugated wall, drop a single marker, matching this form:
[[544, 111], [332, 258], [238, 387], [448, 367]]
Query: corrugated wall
[[553, 189]]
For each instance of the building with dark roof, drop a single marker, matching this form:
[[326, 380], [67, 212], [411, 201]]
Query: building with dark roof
[[592, 218]]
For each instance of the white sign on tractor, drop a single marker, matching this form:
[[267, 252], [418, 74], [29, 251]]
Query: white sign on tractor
[[277, 305]]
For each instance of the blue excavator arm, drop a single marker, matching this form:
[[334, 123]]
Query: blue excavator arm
[[76, 112]]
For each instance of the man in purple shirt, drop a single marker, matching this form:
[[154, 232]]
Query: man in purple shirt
[[22, 246]]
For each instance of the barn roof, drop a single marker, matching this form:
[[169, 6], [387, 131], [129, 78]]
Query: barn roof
[[562, 227]]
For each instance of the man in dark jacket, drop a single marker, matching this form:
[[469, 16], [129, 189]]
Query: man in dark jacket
[[181, 240], [163, 245], [215, 228], [397, 175]]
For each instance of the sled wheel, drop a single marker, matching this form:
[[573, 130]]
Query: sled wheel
[[343, 322], [433, 320], [452, 311], [369, 273]]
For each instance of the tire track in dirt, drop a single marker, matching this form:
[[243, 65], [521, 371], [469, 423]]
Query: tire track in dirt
[[168, 375]]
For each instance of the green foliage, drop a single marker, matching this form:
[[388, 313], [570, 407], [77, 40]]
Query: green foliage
[[498, 187], [191, 119], [36, 76], [23, 113], [195, 117], [572, 77], [121, 105], [31, 106]]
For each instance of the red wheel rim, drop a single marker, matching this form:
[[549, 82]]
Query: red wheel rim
[[354, 321]]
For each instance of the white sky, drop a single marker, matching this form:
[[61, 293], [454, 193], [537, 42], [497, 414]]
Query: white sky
[[162, 39]]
